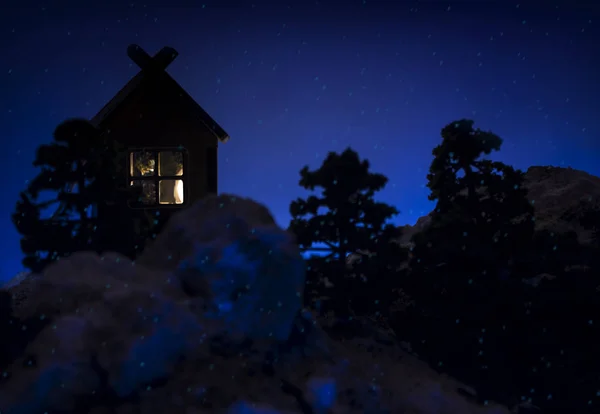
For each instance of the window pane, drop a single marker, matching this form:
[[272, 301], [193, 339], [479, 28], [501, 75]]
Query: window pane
[[142, 163], [148, 189], [170, 163], [170, 191]]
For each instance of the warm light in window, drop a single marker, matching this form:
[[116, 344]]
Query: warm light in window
[[170, 163], [179, 192], [141, 164], [170, 191], [159, 175]]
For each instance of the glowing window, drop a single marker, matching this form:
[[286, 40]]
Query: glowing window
[[160, 174]]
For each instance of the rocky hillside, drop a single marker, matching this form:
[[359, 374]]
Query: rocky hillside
[[559, 195]]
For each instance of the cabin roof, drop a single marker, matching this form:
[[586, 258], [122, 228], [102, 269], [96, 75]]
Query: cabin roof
[[138, 81]]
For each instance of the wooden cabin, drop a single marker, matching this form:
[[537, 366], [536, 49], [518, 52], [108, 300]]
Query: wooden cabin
[[171, 141]]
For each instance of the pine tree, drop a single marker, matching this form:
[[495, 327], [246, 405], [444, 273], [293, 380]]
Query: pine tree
[[346, 219], [482, 217], [463, 275], [81, 168]]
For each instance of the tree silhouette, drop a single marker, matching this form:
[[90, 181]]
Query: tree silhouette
[[346, 219], [484, 280], [81, 168], [464, 264], [482, 213]]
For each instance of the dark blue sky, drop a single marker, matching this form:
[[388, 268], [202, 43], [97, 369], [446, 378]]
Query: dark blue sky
[[291, 81]]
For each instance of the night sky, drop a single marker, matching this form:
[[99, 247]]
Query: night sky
[[290, 81]]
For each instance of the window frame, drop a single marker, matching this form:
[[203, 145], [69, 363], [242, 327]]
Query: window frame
[[155, 178]]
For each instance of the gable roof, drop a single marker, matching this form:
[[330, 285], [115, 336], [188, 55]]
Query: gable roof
[[149, 66]]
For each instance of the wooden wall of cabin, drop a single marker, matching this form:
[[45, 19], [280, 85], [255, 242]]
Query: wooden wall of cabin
[[158, 116]]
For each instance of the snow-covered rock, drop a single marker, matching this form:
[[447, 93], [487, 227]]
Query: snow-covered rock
[[207, 321]]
